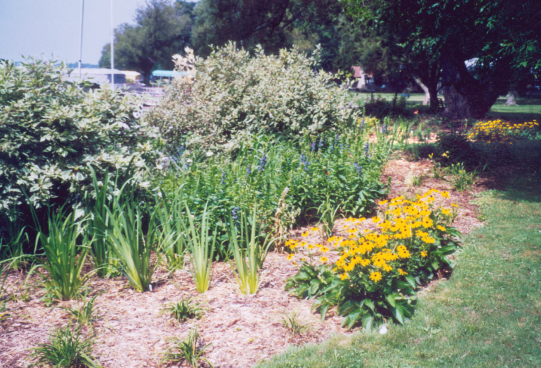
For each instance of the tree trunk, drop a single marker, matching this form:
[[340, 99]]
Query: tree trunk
[[466, 97], [433, 91], [512, 98], [417, 80]]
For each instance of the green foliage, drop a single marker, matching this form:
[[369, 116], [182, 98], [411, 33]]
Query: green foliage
[[189, 350], [233, 96], [171, 217], [66, 348], [294, 323], [287, 181], [376, 275], [86, 314], [161, 29], [184, 309], [51, 130], [249, 251], [132, 249], [461, 178], [458, 149], [63, 265], [201, 245]]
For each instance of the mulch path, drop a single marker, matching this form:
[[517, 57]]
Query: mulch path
[[243, 330]]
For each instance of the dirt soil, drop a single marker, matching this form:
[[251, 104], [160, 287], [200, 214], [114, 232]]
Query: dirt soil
[[243, 330]]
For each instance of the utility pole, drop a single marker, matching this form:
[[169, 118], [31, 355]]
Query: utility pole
[[81, 49], [112, 50]]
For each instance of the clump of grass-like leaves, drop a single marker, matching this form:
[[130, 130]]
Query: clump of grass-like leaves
[[129, 243], [61, 262], [86, 314], [249, 252], [201, 244], [184, 309], [66, 348], [294, 323], [189, 350]]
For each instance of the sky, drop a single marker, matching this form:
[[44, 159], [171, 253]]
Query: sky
[[52, 27]]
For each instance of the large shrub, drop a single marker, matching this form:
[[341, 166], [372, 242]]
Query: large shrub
[[51, 132], [232, 94]]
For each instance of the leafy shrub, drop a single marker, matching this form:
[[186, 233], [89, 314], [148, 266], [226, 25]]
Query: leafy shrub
[[231, 95], [377, 271], [458, 149], [51, 131]]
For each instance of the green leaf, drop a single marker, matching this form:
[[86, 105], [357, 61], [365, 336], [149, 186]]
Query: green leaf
[[367, 321]]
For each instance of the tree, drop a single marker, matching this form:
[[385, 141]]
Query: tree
[[161, 30], [498, 34]]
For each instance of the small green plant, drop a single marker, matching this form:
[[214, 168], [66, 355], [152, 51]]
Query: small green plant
[[190, 350], [201, 244], [66, 348], [461, 178], [327, 215], [294, 323], [417, 181], [184, 309], [249, 251], [62, 264], [86, 314], [437, 170], [132, 249]]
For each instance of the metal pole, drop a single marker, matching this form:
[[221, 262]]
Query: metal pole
[[81, 50], [112, 49]]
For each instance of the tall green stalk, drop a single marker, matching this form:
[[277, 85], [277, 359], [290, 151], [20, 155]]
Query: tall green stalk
[[248, 253], [97, 236], [201, 244], [129, 244], [64, 278], [170, 213]]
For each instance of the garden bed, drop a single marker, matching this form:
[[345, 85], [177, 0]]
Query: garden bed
[[243, 330]]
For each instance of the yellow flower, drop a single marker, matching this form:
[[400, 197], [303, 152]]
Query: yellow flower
[[439, 227], [454, 205], [344, 276], [305, 234], [381, 203], [376, 219], [290, 256], [314, 229], [324, 249], [402, 273], [424, 254], [323, 259], [445, 194], [375, 276]]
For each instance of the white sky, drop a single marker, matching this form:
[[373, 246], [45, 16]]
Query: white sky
[[52, 27]]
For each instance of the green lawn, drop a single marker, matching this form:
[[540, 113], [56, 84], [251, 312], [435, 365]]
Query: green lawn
[[527, 109], [487, 315]]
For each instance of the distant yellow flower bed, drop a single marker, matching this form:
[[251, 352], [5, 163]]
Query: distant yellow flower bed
[[500, 131]]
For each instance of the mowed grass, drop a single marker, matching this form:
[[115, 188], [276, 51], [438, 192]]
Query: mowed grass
[[527, 109], [488, 314]]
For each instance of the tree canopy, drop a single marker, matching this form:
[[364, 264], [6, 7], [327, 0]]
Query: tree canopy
[[161, 30], [498, 36]]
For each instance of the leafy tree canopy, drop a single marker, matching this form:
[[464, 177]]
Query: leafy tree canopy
[[502, 36], [161, 30]]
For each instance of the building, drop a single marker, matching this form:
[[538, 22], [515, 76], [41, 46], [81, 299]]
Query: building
[[98, 75]]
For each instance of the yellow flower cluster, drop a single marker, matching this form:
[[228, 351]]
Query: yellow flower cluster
[[406, 232], [499, 131]]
